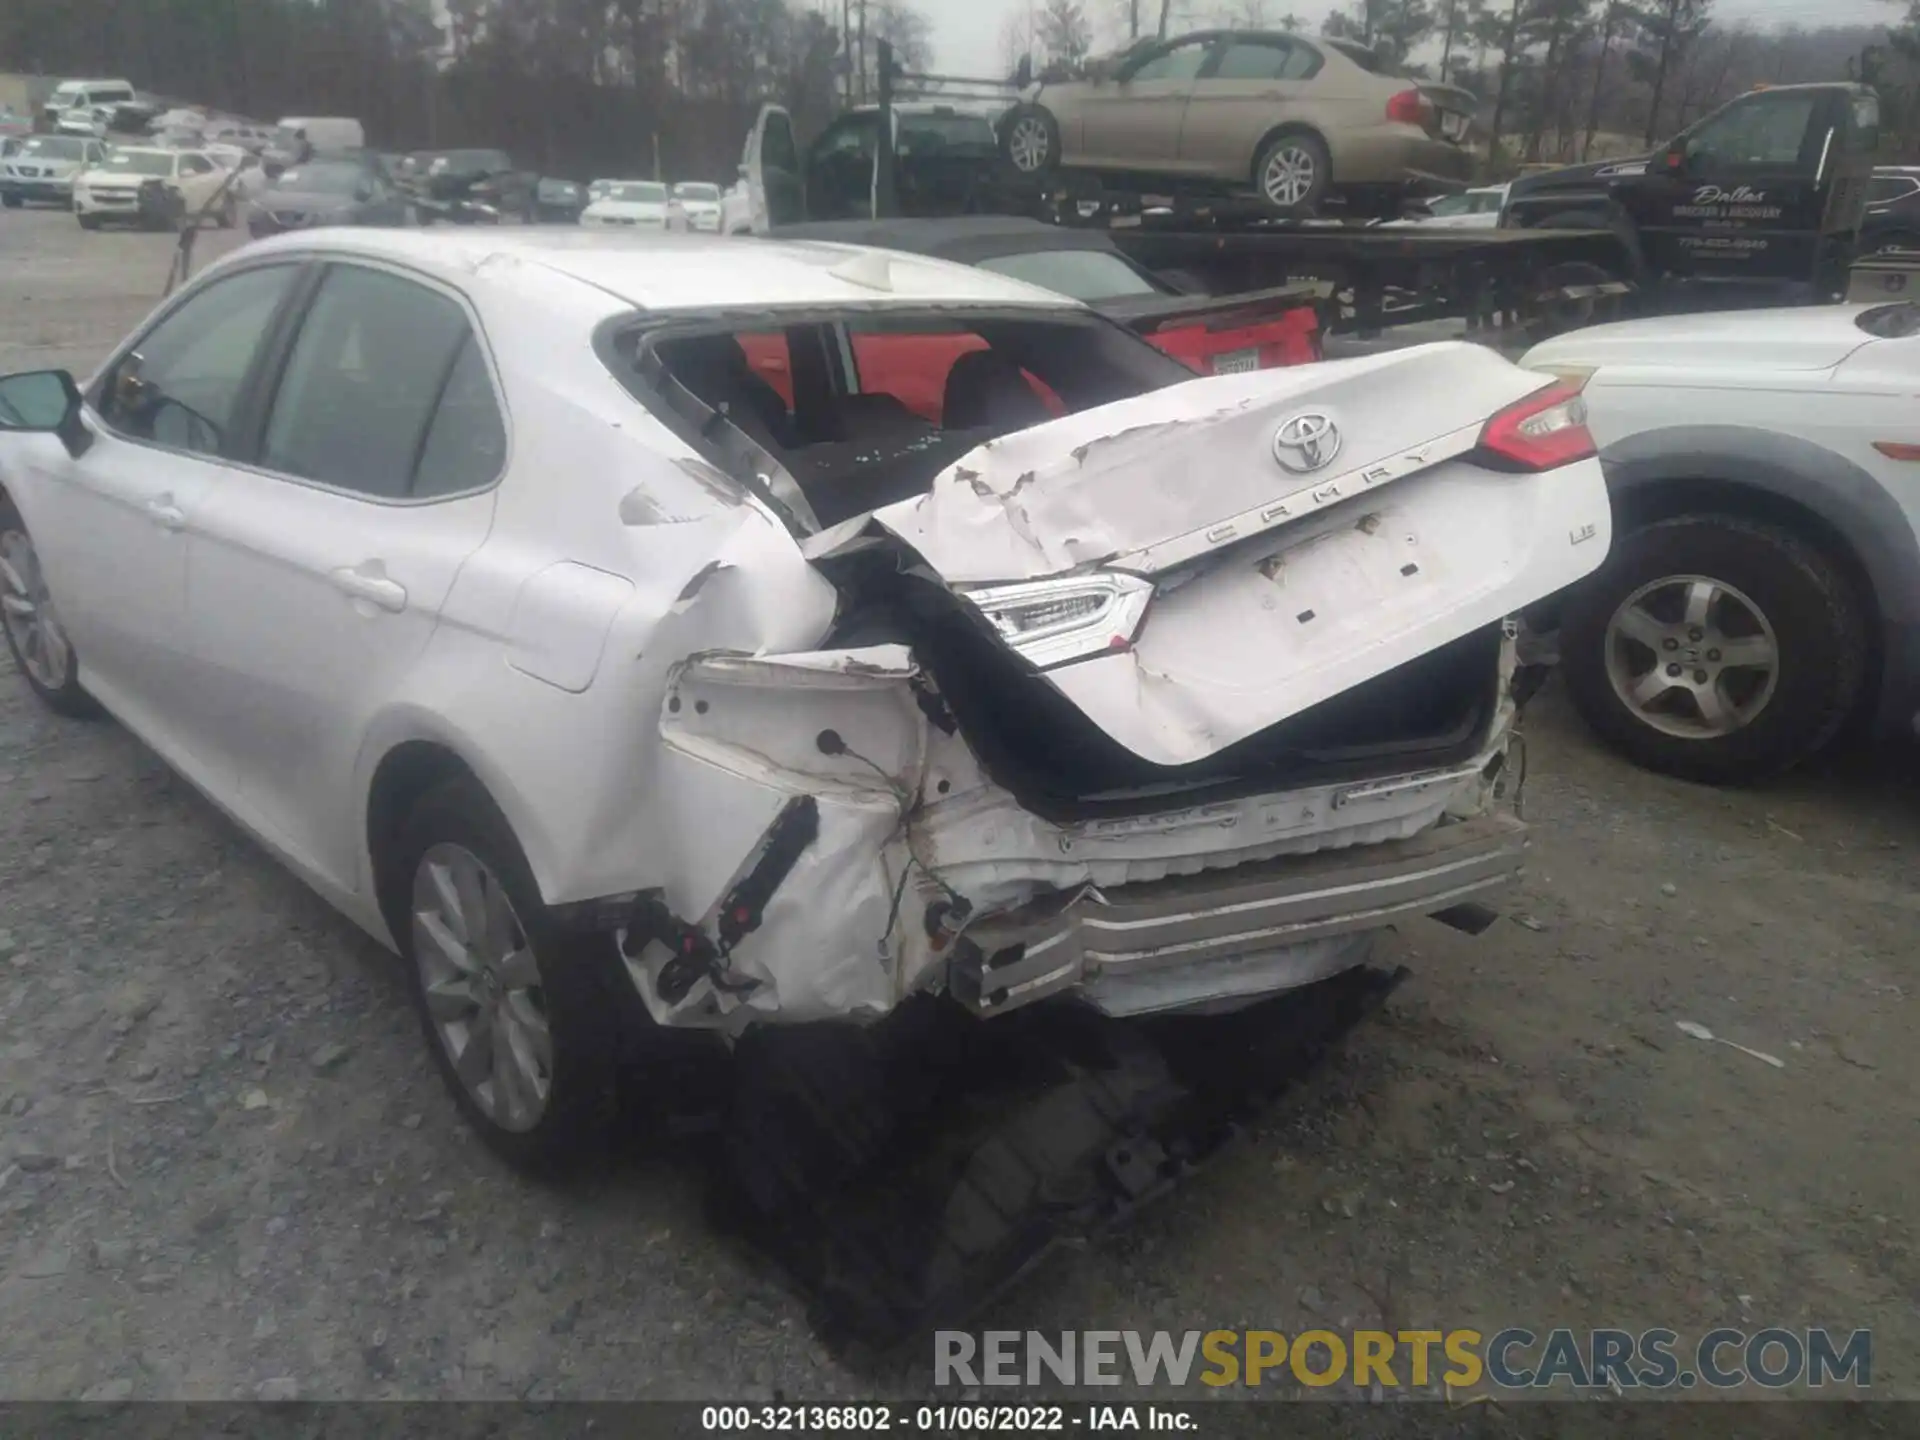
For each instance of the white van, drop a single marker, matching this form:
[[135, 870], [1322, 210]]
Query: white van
[[84, 95]]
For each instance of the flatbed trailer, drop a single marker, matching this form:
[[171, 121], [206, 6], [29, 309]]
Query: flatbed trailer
[[1701, 224], [1376, 275], [1380, 276]]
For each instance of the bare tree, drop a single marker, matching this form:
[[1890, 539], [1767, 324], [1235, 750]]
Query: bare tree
[[1391, 28], [1016, 38], [1063, 33], [1669, 29]]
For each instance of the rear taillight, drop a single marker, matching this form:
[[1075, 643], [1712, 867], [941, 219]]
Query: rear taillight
[[1409, 107], [1545, 430]]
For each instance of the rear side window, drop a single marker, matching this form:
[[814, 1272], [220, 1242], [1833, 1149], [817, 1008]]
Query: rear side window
[[358, 403], [466, 444], [1266, 60]]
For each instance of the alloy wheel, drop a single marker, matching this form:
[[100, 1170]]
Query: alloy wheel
[[1029, 145], [482, 986], [31, 620], [1692, 657], [1289, 176]]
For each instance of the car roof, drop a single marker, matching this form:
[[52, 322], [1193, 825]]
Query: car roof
[[964, 238], [673, 272]]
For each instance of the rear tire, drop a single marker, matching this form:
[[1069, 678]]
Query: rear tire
[[1293, 174], [547, 996], [1774, 593], [88, 222], [1030, 142]]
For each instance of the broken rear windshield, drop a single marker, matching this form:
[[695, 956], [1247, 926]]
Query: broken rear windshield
[[843, 413]]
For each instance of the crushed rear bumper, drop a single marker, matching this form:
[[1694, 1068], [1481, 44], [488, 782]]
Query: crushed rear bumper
[[1227, 936]]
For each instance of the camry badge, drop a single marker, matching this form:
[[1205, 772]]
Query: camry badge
[[1306, 442]]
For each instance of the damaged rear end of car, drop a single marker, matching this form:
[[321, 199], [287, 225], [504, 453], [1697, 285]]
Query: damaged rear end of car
[[1165, 704]]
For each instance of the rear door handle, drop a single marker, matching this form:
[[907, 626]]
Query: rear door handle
[[369, 582], [164, 513]]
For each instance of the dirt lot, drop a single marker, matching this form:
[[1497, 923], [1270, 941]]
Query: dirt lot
[[197, 1200]]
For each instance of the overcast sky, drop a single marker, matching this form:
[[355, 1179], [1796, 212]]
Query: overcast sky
[[967, 33]]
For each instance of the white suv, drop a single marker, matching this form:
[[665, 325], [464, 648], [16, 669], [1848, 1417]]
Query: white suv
[[42, 168], [1764, 585], [111, 190]]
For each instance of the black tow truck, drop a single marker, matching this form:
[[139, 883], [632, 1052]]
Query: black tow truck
[[1761, 201], [1767, 193]]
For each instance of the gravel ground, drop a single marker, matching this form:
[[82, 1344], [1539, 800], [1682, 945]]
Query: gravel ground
[[226, 1169]]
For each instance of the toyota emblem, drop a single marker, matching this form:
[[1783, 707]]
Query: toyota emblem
[[1306, 442]]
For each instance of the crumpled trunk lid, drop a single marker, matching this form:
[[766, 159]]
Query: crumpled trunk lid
[[1304, 530]]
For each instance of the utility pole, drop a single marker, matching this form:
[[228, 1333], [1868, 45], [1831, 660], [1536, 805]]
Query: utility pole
[[863, 51], [846, 52]]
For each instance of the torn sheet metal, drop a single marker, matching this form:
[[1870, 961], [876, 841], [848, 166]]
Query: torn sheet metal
[[740, 736], [1244, 631], [1094, 486], [909, 822]]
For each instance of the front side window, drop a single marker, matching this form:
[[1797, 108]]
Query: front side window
[[1767, 129], [362, 383], [853, 136], [180, 386], [1182, 62], [777, 148]]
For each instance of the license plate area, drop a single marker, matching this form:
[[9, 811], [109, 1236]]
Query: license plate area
[[1236, 362], [1454, 125]]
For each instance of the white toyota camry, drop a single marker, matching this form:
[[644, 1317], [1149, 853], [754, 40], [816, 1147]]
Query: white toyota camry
[[626, 633]]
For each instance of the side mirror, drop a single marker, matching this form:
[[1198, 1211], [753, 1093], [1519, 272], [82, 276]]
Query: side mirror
[[44, 402], [1023, 73]]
